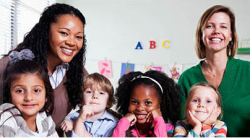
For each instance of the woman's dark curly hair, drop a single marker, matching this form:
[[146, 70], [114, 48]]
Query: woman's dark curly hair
[[37, 40], [169, 98], [23, 67]]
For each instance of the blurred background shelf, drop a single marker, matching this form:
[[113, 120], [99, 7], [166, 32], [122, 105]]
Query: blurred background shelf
[[243, 50]]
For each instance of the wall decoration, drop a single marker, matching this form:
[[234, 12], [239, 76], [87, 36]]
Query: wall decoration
[[174, 71], [152, 45], [150, 67], [244, 47], [138, 46], [126, 68], [105, 68]]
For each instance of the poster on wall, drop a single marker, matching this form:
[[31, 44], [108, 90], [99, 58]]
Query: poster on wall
[[105, 68], [150, 67], [174, 71], [126, 68]]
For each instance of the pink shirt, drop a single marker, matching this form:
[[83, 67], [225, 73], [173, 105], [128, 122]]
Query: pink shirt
[[160, 128]]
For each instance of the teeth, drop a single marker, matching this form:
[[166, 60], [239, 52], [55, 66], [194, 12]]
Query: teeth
[[67, 50], [216, 39], [141, 116]]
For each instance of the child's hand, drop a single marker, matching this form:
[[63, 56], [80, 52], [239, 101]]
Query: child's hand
[[153, 114], [194, 122], [212, 117], [86, 111], [67, 125], [131, 117]]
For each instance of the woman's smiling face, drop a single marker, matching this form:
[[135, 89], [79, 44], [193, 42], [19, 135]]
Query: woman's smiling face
[[217, 32], [66, 38]]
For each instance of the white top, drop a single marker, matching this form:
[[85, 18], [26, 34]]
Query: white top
[[12, 124], [57, 76]]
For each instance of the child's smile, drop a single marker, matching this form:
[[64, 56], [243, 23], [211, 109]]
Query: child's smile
[[203, 102], [140, 116], [29, 98], [143, 99], [29, 105]]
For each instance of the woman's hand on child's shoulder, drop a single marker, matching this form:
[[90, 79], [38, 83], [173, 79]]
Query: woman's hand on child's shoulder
[[67, 125], [131, 117], [86, 111]]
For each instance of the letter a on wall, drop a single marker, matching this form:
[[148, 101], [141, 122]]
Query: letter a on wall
[[138, 46], [105, 68]]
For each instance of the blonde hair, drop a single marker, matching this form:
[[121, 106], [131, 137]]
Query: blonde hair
[[204, 84], [200, 46], [96, 81]]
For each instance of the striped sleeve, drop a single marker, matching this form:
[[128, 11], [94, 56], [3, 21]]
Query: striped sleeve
[[219, 129], [179, 130]]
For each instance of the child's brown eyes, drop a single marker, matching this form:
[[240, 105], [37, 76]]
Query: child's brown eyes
[[148, 103], [133, 102], [19, 91], [37, 90]]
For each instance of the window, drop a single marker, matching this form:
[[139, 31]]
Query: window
[[17, 18]]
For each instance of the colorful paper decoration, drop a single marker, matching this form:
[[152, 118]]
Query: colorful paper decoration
[[149, 67], [126, 68], [174, 71], [105, 68]]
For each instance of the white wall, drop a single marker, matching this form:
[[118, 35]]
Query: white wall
[[115, 26]]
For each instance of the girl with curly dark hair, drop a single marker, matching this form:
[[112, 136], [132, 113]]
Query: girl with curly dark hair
[[58, 43], [146, 100]]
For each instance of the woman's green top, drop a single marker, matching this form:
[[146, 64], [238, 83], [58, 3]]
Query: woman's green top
[[234, 90]]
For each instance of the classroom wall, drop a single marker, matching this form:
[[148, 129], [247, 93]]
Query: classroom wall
[[114, 28]]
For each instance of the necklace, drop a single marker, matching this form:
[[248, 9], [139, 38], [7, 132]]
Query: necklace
[[206, 69]]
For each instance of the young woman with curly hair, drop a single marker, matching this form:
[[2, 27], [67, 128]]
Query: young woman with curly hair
[[58, 43]]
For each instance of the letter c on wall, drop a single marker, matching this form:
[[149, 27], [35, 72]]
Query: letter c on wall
[[163, 44]]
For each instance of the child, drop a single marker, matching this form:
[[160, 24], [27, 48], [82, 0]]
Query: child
[[146, 100], [93, 119], [28, 96], [203, 107]]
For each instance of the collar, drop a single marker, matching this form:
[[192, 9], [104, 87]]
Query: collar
[[63, 66], [106, 116]]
